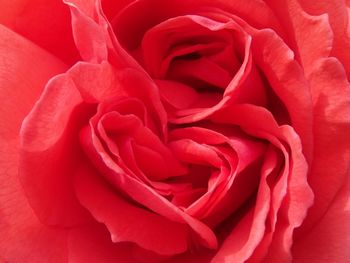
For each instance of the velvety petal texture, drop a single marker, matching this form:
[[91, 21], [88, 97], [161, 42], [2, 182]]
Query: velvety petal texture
[[23, 235], [46, 23], [174, 131]]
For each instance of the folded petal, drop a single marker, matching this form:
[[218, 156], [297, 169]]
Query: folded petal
[[50, 153], [89, 35], [296, 193], [126, 221], [286, 78], [138, 191], [338, 16]]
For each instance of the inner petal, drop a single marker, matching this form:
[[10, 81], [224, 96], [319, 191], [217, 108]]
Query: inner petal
[[190, 38]]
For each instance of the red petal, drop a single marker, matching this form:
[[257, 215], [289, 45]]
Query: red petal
[[329, 239], [287, 80], [114, 83], [90, 36], [45, 22], [338, 17], [331, 97], [126, 221], [111, 8], [50, 153], [142, 15], [19, 79], [140, 192], [92, 243], [298, 196], [22, 235]]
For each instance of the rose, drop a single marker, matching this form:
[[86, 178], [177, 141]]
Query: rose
[[104, 150]]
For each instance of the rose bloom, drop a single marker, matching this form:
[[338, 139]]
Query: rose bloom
[[174, 131]]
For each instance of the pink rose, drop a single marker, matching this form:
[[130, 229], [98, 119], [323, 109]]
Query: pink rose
[[174, 131]]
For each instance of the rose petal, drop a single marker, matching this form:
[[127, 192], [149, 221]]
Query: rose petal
[[114, 83], [139, 191], [329, 240], [50, 133], [146, 146], [92, 243], [94, 36], [19, 79], [331, 105], [45, 22], [22, 234], [311, 49], [126, 221], [298, 196], [286, 78], [88, 76], [331, 98], [89, 35], [141, 15], [220, 199], [338, 15], [178, 95], [273, 172], [112, 8]]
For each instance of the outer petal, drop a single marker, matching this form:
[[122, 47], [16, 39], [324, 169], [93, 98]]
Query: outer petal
[[329, 240], [50, 133], [308, 47], [339, 19], [45, 22], [332, 149], [19, 79], [92, 243], [330, 92], [22, 235]]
